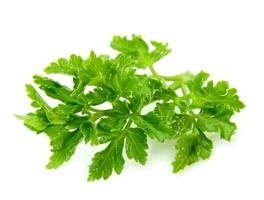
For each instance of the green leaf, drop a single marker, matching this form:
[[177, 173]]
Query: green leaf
[[107, 160], [63, 146], [133, 46], [116, 118], [55, 90], [166, 112], [37, 99], [183, 124], [137, 49], [154, 126], [100, 95], [95, 69], [217, 125], [123, 81], [160, 51], [64, 66], [67, 109], [54, 130], [89, 132], [210, 96], [35, 121], [136, 145], [190, 148], [83, 71]]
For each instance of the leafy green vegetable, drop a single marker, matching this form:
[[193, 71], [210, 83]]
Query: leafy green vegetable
[[190, 148], [63, 146], [104, 162], [204, 107], [136, 145]]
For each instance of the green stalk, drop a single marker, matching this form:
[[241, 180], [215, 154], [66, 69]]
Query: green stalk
[[178, 80]]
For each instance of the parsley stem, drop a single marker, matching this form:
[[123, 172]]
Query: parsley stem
[[96, 116], [183, 77], [128, 124], [154, 73], [184, 89]]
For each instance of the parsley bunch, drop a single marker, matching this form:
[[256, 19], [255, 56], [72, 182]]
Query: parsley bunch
[[187, 107]]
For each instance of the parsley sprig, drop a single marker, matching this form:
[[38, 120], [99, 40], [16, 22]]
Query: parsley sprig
[[188, 107]]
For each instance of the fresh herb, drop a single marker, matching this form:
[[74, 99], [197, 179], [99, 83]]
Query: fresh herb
[[188, 107]]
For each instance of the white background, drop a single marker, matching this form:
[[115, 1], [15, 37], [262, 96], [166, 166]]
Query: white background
[[225, 38]]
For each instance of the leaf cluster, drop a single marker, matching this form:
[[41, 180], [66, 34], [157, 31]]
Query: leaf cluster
[[188, 107]]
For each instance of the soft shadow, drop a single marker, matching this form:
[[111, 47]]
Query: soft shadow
[[159, 152]]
